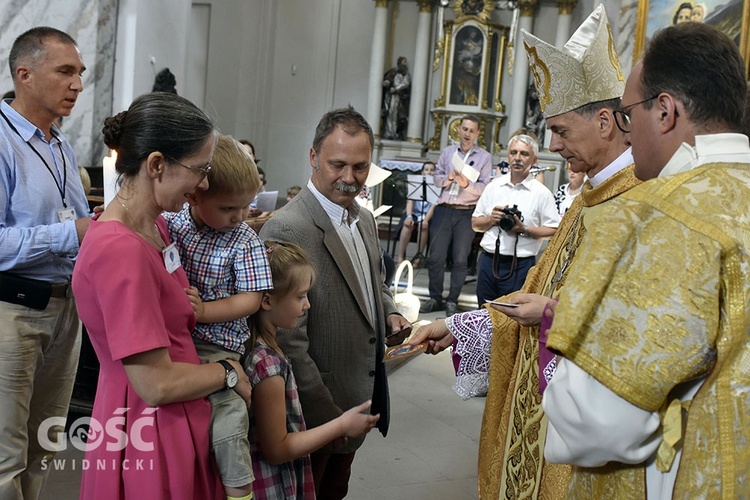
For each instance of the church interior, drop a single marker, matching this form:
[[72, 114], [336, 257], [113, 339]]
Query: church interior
[[266, 71]]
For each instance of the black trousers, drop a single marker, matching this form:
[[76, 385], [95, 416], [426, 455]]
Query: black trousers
[[489, 287]]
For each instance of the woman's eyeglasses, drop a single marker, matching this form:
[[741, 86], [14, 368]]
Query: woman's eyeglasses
[[201, 171]]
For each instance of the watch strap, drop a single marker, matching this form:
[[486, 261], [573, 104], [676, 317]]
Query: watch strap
[[229, 368]]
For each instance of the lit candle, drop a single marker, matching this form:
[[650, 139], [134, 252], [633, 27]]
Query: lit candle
[[110, 177]]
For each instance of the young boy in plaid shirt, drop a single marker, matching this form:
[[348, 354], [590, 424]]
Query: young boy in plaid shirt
[[226, 263]]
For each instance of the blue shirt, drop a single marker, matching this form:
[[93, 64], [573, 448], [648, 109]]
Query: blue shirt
[[220, 265], [420, 209], [33, 242]]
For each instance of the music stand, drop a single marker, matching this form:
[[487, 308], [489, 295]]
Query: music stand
[[421, 188]]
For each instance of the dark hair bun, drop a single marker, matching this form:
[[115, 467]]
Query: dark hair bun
[[112, 130]]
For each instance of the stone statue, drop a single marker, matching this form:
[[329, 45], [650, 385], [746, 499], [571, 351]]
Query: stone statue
[[165, 81], [396, 92]]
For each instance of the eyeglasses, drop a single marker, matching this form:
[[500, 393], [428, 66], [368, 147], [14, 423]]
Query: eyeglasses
[[201, 171], [622, 115]]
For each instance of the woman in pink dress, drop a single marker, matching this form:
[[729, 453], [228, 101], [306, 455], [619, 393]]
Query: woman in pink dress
[[149, 435]]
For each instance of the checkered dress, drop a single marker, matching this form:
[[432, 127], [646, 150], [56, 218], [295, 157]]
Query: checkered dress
[[291, 480], [220, 265]]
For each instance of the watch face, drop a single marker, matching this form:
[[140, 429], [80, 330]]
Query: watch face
[[231, 379]]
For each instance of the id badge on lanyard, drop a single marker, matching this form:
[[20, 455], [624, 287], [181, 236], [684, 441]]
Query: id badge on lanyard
[[66, 214]]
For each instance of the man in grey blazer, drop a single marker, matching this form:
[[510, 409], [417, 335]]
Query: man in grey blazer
[[337, 350]]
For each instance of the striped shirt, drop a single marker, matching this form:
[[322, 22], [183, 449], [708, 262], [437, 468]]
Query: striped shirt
[[220, 265]]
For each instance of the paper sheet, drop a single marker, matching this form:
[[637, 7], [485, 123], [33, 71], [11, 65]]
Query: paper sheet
[[381, 210], [267, 201], [376, 175], [466, 170]]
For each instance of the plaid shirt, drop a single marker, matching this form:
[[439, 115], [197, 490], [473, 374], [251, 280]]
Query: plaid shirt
[[220, 265], [291, 480]]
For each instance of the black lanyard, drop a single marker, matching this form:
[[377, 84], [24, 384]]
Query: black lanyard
[[60, 189]]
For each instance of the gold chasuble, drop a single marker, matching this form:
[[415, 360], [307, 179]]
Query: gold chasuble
[[661, 297], [511, 448]]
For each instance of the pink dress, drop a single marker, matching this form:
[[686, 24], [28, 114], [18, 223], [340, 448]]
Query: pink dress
[[130, 304]]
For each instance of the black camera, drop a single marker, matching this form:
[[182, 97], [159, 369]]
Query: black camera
[[508, 221]]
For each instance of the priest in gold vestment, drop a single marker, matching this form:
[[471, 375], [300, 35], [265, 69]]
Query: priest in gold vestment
[[652, 396], [579, 87]]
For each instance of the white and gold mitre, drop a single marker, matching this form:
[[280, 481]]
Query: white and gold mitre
[[585, 70]]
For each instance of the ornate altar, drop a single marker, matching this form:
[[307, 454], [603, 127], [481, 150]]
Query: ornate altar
[[471, 53]]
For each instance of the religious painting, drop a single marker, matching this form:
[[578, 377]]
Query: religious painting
[[729, 16], [467, 66], [473, 76]]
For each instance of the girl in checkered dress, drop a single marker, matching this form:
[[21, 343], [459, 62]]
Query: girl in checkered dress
[[280, 443]]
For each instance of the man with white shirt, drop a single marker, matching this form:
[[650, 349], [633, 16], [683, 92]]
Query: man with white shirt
[[584, 132], [451, 220], [510, 244], [650, 399]]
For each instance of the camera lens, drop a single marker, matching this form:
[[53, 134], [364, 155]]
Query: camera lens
[[507, 222]]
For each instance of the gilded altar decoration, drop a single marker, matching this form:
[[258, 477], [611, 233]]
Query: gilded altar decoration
[[471, 51], [477, 8]]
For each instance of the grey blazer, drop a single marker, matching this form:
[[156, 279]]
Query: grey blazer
[[336, 352]]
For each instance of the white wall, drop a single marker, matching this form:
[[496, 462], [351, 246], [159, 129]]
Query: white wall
[[148, 31], [255, 62], [224, 73], [353, 54], [331, 55], [273, 68], [305, 39], [252, 47]]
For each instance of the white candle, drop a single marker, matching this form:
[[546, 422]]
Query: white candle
[[110, 177]]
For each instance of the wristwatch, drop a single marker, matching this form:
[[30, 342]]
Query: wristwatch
[[231, 377]]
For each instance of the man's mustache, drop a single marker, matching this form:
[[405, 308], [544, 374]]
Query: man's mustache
[[346, 187]]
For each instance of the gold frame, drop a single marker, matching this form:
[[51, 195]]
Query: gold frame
[[445, 115], [641, 24], [489, 30]]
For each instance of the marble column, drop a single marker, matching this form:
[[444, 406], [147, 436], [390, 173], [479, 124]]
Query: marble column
[[377, 63], [419, 73], [564, 17], [521, 67]]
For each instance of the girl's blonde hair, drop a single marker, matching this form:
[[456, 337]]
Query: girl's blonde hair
[[290, 268]]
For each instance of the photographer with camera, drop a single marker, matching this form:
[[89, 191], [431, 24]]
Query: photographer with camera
[[514, 212]]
